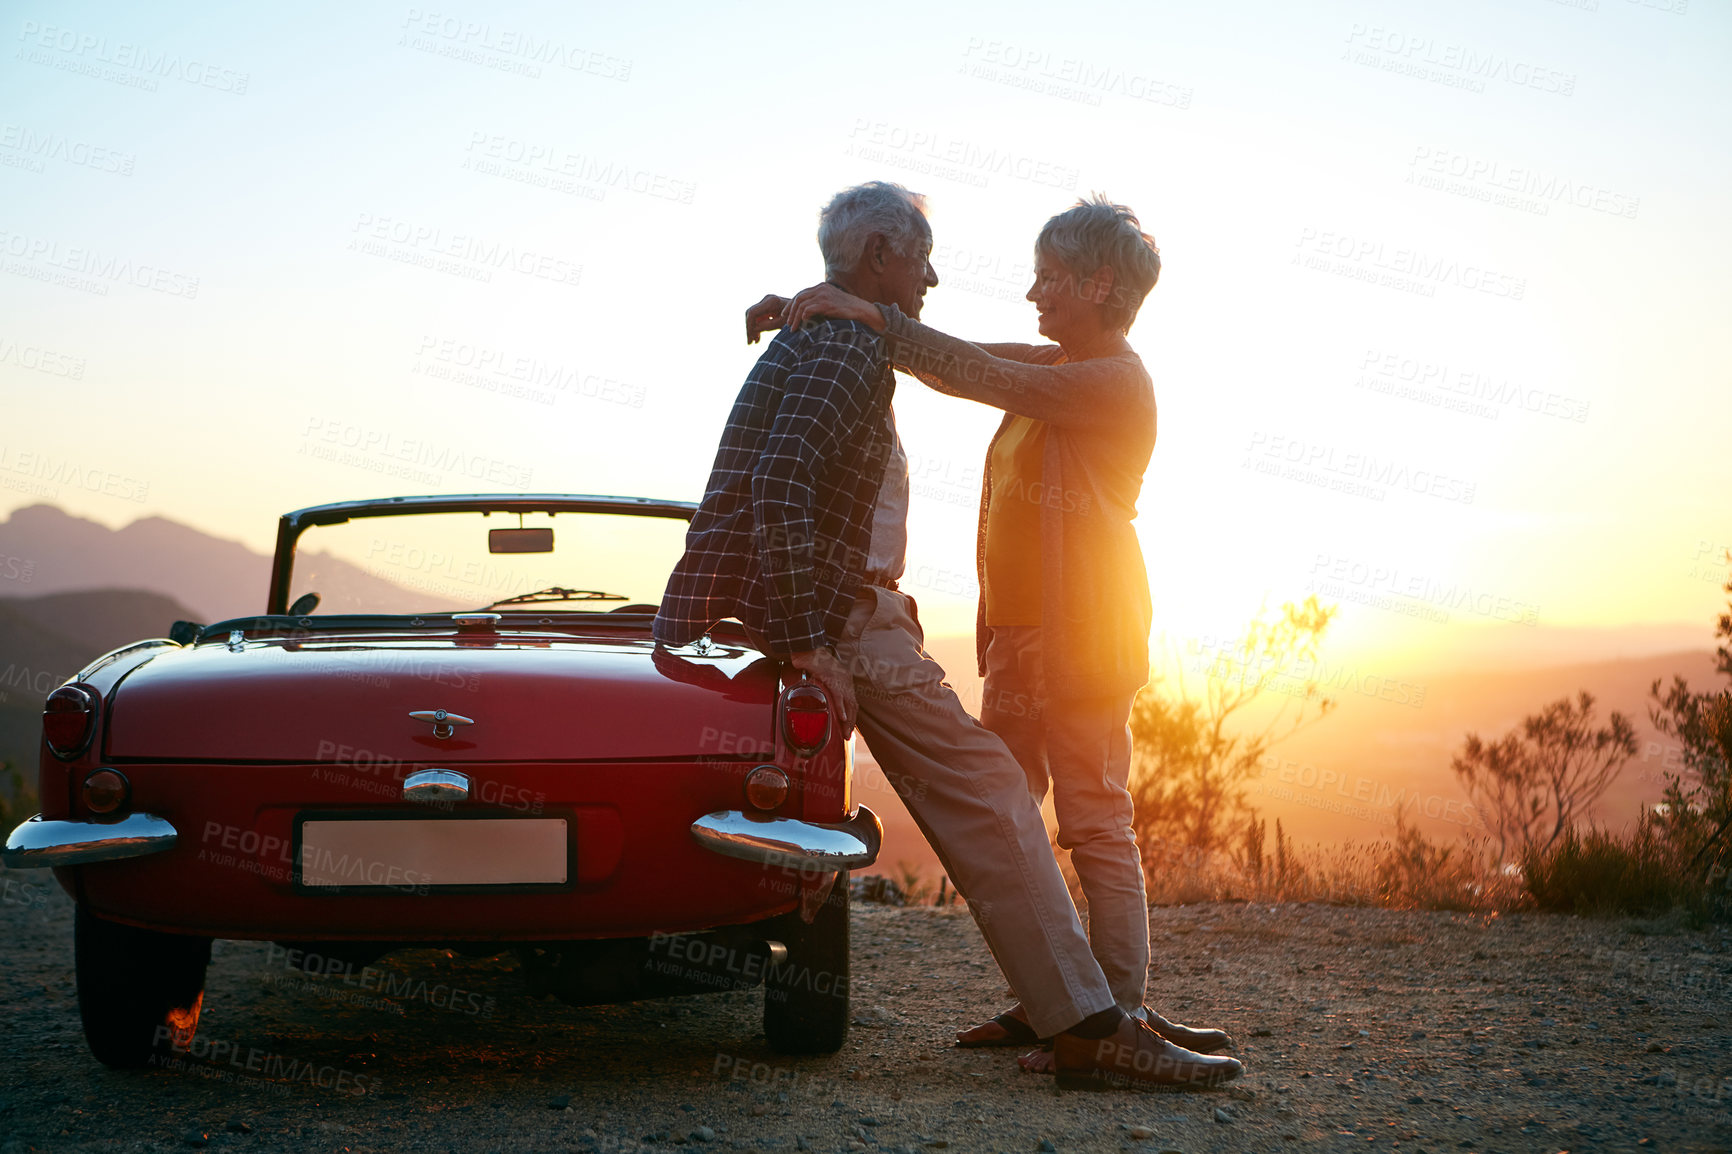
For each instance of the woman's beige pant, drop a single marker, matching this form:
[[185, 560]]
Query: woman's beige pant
[[1081, 748]]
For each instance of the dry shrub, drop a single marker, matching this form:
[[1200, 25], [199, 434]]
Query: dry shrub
[[1413, 873]]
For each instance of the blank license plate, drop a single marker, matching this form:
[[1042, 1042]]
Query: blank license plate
[[411, 853]]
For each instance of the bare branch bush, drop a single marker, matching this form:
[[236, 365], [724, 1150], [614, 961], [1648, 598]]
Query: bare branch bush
[[1696, 808], [1193, 753], [1544, 777]]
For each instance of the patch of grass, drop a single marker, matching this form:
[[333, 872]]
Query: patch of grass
[[1407, 873], [1667, 925], [915, 888], [1593, 873], [17, 799], [1597, 872]]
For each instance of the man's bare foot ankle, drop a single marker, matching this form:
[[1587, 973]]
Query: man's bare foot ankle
[[1038, 1061]]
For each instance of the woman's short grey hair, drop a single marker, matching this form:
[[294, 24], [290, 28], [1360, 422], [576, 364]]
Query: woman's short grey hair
[[1098, 232], [856, 213]]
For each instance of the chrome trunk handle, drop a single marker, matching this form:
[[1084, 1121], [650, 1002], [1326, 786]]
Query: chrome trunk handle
[[444, 724]]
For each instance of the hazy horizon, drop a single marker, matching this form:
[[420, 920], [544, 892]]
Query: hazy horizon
[[1524, 646]]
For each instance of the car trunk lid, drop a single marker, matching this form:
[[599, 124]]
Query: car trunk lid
[[527, 697]]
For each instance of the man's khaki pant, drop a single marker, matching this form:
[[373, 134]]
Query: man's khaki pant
[[971, 800], [1081, 746]]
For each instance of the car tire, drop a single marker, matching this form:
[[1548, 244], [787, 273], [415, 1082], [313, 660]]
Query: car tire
[[138, 990], [806, 997]]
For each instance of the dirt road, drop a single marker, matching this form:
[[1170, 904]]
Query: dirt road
[[1361, 1029]]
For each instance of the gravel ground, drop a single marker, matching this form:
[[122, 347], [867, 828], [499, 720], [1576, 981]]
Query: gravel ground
[[1359, 1028]]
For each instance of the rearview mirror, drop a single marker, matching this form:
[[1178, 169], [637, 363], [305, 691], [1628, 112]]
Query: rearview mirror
[[520, 540]]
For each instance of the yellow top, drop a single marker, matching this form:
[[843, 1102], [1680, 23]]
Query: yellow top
[[1013, 524]]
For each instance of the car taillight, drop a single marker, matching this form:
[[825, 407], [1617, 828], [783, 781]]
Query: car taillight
[[106, 791], [806, 718], [68, 718], [766, 787]]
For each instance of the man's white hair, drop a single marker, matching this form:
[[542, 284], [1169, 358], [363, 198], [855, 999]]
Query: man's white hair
[[856, 213]]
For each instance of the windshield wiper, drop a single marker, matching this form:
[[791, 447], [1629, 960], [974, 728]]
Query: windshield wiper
[[559, 593]]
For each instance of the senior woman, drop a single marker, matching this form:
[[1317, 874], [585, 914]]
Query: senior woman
[[1063, 624]]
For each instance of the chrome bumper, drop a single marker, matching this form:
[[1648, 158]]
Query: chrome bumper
[[785, 841], [38, 842]]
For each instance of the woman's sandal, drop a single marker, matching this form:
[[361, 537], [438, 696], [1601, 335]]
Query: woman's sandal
[[1012, 1031]]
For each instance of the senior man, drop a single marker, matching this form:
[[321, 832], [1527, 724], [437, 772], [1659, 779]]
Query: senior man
[[801, 535]]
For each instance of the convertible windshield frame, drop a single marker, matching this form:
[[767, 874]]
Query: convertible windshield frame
[[292, 525]]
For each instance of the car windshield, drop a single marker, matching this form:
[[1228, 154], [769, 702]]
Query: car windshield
[[441, 562]]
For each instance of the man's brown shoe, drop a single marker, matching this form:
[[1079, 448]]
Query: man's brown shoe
[[1136, 1058], [1187, 1037]]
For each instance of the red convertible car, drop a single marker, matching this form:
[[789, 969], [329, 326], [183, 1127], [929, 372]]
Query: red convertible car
[[515, 767]]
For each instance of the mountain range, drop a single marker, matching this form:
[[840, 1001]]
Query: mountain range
[[44, 549], [72, 589]]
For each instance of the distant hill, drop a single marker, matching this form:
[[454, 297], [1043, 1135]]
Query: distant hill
[[1510, 647], [97, 620], [1376, 748], [45, 640], [217, 579]]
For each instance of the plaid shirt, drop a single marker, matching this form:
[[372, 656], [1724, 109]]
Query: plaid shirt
[[781, 538]]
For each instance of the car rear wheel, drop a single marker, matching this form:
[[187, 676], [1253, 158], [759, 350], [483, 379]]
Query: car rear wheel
[[806, 997], [139, 991]]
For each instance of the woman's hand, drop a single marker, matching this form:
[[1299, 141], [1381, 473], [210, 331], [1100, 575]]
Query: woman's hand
[[765, 315], [826, 300]]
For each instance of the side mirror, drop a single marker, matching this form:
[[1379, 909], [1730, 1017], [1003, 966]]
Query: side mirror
[[520, 540]]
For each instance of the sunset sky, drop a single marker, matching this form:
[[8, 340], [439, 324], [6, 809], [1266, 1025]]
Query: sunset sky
[[1442, 330]]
